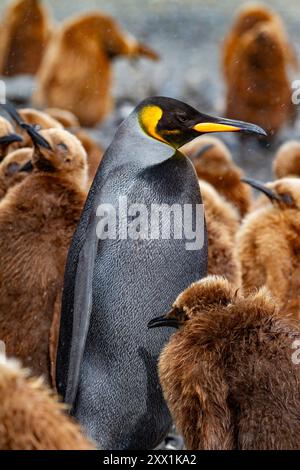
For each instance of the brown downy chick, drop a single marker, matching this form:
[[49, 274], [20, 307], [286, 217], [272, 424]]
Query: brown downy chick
[[286, 164], [76, 72], [287, 160], [9, 140], [24, 35], [30, 415], [222, 222], [66, 118], [92, 148], [36, 118], [213, 163], [259, 88], [37, 221], [227, 374], [13, 169], [45, 121], [248, 17], [269, 246]]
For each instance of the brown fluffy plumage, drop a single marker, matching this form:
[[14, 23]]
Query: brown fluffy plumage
[[222, 223], [248, 17], [10, 173], [258, 86], [93, 150], [287, 160], [227, 374], [76, 71], [31, 418], [36, 118], [47, 121], [66, 118], [216, 166], [24, 35], [37, 221], [269, 246]]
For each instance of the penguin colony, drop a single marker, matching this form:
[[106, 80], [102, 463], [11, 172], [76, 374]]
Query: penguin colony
[[233, 325]]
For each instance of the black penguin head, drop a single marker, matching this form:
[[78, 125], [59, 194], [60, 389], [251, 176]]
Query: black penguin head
[[176, 123]]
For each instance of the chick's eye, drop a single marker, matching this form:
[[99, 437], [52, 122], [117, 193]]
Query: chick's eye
[[180, 314], [12, 169], [62, 146], [287, 198]]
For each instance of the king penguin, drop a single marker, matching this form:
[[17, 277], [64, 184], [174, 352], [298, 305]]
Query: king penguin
[[106, 366]]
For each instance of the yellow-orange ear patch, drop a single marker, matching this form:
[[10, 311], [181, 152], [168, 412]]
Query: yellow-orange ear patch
[[149, 117]]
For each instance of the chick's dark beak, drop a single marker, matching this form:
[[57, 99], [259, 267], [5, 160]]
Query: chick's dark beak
[[37, 139], [215, 124], [27, 167], [262, 188], [10, 139], [164, 320]]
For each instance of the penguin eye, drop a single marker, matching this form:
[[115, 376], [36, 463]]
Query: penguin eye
[[182, 117], [287, 198]]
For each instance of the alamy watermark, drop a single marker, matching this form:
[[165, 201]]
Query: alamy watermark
[[2, 92], [296, 353], [296, 92], [152, 222]]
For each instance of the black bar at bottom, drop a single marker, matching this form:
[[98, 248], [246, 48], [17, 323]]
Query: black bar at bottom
[[136, 459]]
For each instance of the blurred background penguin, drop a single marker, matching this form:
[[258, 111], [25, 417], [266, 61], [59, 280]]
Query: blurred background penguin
[[24, 34], [76, 72], [256, 71]]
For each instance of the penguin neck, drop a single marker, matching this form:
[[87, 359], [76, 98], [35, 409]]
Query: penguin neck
[[132, 144]]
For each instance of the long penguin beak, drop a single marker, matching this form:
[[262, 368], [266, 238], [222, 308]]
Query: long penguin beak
[[215, 124], [261, 187], [10, 139]]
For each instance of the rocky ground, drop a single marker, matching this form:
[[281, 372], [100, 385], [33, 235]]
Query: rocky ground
[[188, 35]]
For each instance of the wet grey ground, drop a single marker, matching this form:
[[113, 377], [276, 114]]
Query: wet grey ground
[[188, 35]]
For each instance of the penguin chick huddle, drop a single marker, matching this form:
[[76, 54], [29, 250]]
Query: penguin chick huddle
[[43, 187], [226, 371], [45, 190]]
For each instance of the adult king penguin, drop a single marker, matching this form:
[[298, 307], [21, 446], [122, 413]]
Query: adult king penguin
[[107, 358]]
